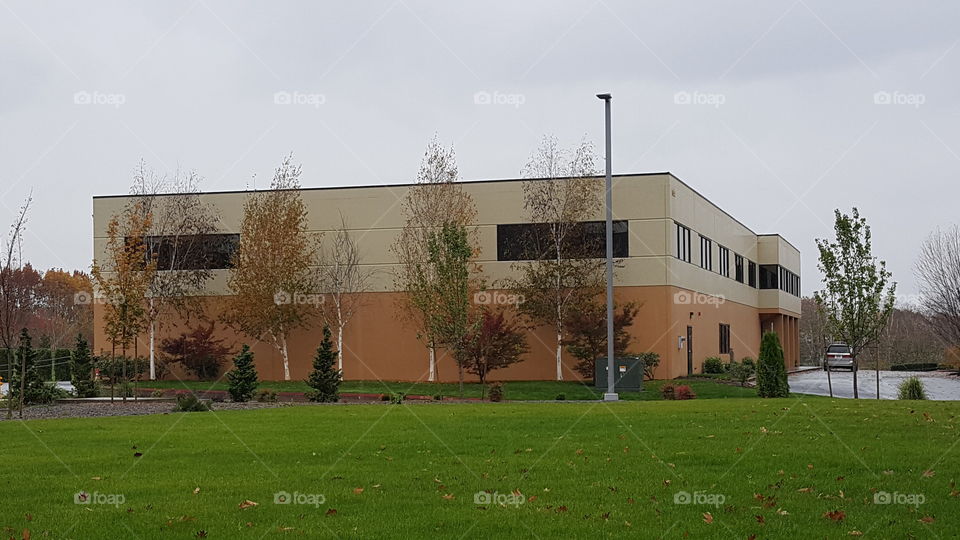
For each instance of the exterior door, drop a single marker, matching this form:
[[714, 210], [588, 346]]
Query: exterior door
[[689, 350]]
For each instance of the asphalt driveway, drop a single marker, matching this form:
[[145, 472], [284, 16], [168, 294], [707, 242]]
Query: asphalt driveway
[[939, 385]]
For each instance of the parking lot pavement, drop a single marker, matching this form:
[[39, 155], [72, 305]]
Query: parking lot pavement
[[939, 385]]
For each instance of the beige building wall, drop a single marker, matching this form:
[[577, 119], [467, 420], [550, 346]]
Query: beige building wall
[[379, 344]]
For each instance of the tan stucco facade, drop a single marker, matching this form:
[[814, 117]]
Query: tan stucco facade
[[673, 294]]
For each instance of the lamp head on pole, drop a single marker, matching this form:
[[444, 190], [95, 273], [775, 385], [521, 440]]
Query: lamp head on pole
[[605, 97]]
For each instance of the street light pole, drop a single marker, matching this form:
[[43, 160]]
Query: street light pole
[[611, 393]]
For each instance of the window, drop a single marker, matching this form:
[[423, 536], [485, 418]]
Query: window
[[752, 274], [193, 252], [586, 240], [724, 338], [789, 282], [683, 243], [706, 253], [768, 276], [724, 261], [738, 267]]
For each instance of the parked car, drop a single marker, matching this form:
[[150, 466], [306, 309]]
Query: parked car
[[838, 355]]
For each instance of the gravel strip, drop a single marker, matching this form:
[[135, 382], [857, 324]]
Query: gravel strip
[[118, 408]]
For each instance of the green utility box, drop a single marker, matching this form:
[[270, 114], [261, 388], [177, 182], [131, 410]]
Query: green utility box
[[627, 376]]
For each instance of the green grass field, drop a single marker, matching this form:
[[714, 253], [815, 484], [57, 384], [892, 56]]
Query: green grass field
[[788, 468], [516, 390]]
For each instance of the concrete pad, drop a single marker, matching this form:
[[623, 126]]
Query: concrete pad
[[939, 385]]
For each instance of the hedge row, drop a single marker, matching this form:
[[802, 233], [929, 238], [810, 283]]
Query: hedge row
[[60, 362]]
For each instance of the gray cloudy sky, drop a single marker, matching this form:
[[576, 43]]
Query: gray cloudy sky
[[769, 108]]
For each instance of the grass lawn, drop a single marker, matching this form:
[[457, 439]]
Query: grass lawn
[[515, 390], [772, 468]]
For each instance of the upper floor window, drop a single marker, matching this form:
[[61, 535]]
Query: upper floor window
[[706, 253], [724, 254], [585, 240], [683, 242], [193, 252], [752, 274], [769, 274], [738, 267]]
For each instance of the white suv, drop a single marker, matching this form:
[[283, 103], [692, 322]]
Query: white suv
[[838, 355]]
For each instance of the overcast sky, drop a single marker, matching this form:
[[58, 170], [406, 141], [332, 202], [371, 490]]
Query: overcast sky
[[769, 108]]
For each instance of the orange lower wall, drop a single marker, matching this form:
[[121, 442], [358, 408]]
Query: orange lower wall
[[378, 345]]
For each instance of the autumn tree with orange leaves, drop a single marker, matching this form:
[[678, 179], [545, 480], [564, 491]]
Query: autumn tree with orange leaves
[[122, 277], [273, 282]]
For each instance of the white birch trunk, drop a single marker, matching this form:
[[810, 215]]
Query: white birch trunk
[[153, 360], [286, 359], [339, 338], [432, 376], [153, 331], [559, 364]]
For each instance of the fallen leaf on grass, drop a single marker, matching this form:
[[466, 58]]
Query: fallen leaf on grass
[[835, 515], [805, 490], [137, 454], [782, 512], [929, 473], [448, 496], [96, 478], [358, 490], [707, 517], [855, 533], [26, 534], [196, 490], [561, 509], [926, 519], [532, 498], [888, 472], [760, 519], [332, 512], [247, 504]]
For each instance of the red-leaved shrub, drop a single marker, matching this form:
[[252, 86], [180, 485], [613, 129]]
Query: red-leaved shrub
[[684, 392]]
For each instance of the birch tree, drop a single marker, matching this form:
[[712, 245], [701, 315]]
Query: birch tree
[[344, 281], [122, 275], [858, 297], [561, 273], [434, 201], [273, 282], [180, 227], [13, 308]]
